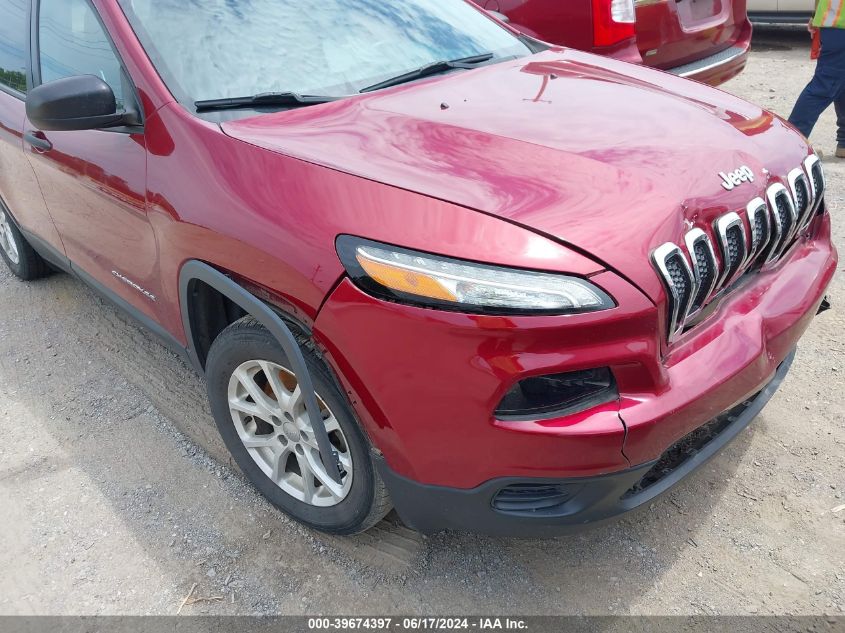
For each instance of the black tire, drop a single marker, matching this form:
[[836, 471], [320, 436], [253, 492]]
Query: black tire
[[367, 501], [30, 265]]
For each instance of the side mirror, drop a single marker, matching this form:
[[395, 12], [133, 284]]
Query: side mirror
[[83, 102]]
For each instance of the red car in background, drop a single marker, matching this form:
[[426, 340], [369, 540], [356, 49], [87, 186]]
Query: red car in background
[[707, 40]]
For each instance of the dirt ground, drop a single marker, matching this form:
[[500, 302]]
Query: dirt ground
[[116, 495]]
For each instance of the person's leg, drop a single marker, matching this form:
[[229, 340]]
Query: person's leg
[[814, 100], [839, 104], [827, 83]]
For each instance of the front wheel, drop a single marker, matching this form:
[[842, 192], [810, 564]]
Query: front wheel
[[19, 256], [259, 410]]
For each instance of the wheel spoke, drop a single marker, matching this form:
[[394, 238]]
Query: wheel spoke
[[275, 382], [311, 441], [295, 401], [307, 475], [239, 404], [259, 441], [258, 396], [280, 458], [304, 423]]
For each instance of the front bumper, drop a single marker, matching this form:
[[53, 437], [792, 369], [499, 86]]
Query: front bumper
[[425, 383], [567, 505]]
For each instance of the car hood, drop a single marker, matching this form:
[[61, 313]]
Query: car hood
[[609, 158]]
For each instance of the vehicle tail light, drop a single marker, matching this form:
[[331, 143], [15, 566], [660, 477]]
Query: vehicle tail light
[[613, 22]]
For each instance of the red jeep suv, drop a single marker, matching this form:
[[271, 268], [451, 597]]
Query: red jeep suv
[[421, 260], [706, 40]]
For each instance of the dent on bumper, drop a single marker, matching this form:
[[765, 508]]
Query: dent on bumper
[[726, 360], [425, 383], [592, 501]]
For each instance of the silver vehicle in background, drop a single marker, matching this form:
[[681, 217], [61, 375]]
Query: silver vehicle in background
[[781, 11]]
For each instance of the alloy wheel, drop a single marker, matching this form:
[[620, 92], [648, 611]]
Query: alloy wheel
[[269, 414], [7, 239]]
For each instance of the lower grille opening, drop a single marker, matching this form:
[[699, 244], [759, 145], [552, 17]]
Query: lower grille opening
[[531, 498], [687, 447]]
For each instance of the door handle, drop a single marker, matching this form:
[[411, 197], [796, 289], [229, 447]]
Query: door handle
[[38, 141]]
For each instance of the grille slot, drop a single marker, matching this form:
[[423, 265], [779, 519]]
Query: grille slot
[[758, 219], [678, 279], [730, 234], [705, 266], [815, 173], [783, 220], [802, 199], [818, 180]]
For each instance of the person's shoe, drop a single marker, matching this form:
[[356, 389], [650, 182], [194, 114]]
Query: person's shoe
[[840, 152]]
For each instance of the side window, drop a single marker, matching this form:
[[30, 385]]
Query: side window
[[72, 42], [13, 43]]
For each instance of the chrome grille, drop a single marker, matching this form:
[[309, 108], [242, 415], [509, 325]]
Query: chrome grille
[[739, 243]]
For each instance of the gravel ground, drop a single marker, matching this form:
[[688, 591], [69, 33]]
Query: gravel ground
[[117, 497]]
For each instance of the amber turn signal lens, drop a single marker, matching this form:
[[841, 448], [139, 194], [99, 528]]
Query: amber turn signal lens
[[404, 280]]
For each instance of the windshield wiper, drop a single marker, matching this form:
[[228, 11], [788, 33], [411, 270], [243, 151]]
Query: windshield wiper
[[290, 99], [430, 69]]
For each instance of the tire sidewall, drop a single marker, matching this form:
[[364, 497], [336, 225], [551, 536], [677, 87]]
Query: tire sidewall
[[236, 346], [30, 265], [18, 269]]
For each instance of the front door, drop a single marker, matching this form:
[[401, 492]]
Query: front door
[[19, 191], [94, 181]]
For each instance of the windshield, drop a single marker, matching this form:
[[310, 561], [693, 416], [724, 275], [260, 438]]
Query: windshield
[[214, 49]]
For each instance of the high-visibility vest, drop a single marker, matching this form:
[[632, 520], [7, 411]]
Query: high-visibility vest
[[830, 13]]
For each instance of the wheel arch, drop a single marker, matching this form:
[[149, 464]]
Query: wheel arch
[[195, 272], [204, 316]]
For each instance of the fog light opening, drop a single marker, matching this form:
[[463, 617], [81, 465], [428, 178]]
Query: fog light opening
[[556, 395]]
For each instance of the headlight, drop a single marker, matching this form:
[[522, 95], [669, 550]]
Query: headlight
[[399, 274]]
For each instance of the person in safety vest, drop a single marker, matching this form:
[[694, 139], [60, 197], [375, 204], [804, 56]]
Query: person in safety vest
[[828, 83]]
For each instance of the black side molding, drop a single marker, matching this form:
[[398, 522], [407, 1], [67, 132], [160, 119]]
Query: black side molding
[[195, 271]]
